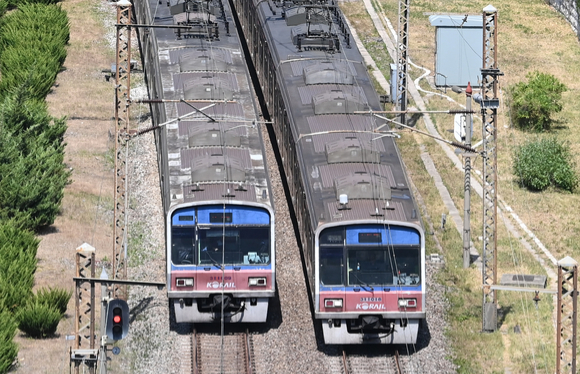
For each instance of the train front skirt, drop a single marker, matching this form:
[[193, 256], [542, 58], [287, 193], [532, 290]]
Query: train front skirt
[[208, 310], [399, 332]]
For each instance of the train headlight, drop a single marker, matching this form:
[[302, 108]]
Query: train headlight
[[407, 303], [184, 282], [260, 281], [333, 303]]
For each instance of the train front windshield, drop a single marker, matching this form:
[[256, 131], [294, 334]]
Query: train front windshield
[[369, 255], [214, 242]]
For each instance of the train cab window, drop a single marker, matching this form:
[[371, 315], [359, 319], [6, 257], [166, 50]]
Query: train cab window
[[182, 245], [234, 246], [331, 266], [383, 266], [369, 267]]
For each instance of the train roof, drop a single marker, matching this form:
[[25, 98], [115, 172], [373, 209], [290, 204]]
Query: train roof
[[213, 144], [343, 156]]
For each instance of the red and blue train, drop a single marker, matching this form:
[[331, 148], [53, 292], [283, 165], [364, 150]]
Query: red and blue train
[[360, 231], [214, 179]]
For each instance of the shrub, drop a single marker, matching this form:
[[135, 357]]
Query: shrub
[[32, 173], [533, 102], [38, 320], [17, 265], [8, 349], [541, 163], [32, 47], [58, 298]]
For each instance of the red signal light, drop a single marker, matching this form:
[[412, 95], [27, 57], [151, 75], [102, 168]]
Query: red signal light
[[117, 319]]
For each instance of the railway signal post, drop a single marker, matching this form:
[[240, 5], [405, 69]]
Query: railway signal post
[[111, 327], [489, 103]]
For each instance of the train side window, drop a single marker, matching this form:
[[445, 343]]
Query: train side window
[[331, 266]]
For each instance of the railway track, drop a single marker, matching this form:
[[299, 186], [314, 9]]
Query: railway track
[[387, 363], [210, 353]]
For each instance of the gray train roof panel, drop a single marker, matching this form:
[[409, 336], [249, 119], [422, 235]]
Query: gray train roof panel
[[227, 80], [239, 157], [216, 138], [327, 72], [188, 149], [351, 150], [214, 110], [307, 93], [298, 65], [366, 209], [216, 192], [362, 186], [365, 140], [210, 88], [329, 172], [338, 102], [183, 56], [350, 122], [191, 128], [216, 168]]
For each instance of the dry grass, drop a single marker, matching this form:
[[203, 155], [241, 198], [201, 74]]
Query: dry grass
[[550, 46]]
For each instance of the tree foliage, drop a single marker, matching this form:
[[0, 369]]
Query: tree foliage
[[17, 265], [8, 349], [32, 48], [32, 173], [541, 163], [532, 103], [55, 297]]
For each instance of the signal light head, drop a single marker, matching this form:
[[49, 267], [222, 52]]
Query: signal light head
[[117, 325]]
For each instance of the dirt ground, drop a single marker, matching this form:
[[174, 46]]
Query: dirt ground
[[84, 96]]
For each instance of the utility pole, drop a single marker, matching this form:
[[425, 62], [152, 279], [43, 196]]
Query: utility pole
[[402, 63], [567, 316], [489, 103], [467, 181], [122, 102]]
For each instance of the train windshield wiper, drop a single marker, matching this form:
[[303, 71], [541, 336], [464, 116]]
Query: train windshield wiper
[[214, 262], [363, 284]]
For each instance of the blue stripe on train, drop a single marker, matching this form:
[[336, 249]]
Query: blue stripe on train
[[213, 267], [241, 215], [390, 234], [376, 288]]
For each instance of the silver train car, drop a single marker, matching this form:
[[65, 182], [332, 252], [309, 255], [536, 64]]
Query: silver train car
[[361, 235], [217, 199]]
